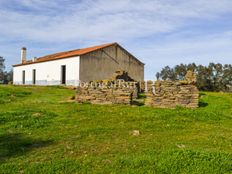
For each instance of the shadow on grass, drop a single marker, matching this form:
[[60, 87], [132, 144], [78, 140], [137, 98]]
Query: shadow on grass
[[202, 94], [12, 145], [202, 104], [137, 103]]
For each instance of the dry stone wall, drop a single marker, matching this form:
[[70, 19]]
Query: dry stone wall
[[161, 94], [107, 93], [169, 94]]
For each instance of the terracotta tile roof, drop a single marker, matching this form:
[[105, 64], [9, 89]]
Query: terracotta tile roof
[[66, 54]]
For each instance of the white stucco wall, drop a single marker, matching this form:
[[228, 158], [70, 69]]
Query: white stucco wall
[[49, 73]]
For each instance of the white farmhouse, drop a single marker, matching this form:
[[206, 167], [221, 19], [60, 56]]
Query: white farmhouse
[[71, 67]]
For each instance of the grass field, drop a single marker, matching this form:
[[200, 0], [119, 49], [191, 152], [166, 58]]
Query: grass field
[[41, 131]]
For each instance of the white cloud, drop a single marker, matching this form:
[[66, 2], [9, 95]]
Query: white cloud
[[137, 23], [103, 19]]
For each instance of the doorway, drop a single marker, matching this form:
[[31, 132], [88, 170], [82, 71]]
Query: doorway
[[63, 74], [34, 77], [23, 77]]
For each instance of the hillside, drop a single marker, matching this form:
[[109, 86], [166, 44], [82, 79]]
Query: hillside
[[41, 131]]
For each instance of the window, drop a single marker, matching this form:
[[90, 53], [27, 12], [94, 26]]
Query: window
[[63, 74], [23, 77], [33, 76]]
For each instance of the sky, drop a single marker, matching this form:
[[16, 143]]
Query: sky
[[158, 32]]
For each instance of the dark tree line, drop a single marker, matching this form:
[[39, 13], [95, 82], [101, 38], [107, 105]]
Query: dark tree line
[[5, 77], [214, 77]]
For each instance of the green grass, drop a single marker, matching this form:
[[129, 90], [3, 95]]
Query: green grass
[[42, 132]]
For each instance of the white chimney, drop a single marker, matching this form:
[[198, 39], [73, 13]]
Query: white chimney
[[34, 59], [23, 55]]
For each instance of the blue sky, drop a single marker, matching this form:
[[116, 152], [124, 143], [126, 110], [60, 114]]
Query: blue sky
[[158, 32]]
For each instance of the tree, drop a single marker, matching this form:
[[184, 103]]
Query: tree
[[167, 73], [214, 77], [157, 75], [5, 77], [227, 77], [203, 78], [180, 71], [8, 77], [2, 69]]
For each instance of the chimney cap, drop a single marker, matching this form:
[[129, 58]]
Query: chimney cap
[[24, 48], [34, 59]]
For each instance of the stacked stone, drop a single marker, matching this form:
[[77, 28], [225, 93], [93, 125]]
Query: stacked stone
[[122, 96], [135, 90], [149, 86], [107, 94], [149, 99], [121, 74], [83, 95], [141, 86], [100, 95], [169, 94]]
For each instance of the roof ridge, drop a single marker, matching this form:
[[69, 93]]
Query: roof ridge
[[70, 53], [65, 52]]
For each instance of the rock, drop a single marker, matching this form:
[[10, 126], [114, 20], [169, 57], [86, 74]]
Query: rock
[[190, 77], [135, 132], [181, 146]]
